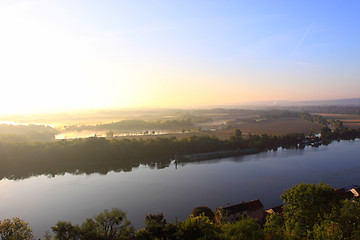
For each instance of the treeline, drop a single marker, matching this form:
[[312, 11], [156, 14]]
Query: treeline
[[338, 132], [332, 109], [26, 133], [89, 155], [314, 212], [276, 113], [100, 155], [314, 118], [182, 121], [296, 114], [332, 129]]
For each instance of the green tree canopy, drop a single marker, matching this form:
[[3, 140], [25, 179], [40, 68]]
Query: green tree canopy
[[108, 225], [15, 229], [274, 227], [204, 210], [307, 205], [200, 227], [155, 225], [244, 229]]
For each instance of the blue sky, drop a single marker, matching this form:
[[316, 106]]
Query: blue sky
[[114, 54]]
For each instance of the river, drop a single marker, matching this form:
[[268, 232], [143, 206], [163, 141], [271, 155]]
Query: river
[[177, 189]]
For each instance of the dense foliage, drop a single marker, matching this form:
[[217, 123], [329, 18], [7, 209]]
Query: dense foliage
[[314, 212], [89, 155], [21, 160], [311, 211], [108, 225], [15, 229]]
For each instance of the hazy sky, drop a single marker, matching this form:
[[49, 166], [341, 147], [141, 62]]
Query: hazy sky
[[92, 54]]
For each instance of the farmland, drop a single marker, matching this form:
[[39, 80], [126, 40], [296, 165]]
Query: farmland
[[349, 120]]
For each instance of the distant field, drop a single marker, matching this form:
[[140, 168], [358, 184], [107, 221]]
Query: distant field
[[271, 127], [279, 126], [222, 135], [218, 122], [349, 120]]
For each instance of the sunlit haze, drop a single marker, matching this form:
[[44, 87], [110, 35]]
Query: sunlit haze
[[119, 54]]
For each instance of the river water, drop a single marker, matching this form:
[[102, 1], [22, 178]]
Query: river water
[[177, 189]]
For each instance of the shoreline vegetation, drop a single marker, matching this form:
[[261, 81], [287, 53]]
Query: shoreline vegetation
[[98, 154], [309, 211]]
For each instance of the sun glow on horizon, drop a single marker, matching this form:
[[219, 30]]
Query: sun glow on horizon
[[77, 55]]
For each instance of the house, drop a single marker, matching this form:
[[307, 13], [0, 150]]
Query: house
[[348, 188], [355, 191], [343, 193], [276, 210], [253, 209]]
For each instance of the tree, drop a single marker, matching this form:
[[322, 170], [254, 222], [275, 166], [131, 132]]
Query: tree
[[307, 205], [143, 234], [47, 236], [348, 218], [110, 134], [66, 231], [15, 229], [108, 225], [238, 133], [236, 140], [204, 210], [111, 225], [325, 132], [200, 227], [244, 229], [274, 227], [89, 230], [155, 225], [327, 230]]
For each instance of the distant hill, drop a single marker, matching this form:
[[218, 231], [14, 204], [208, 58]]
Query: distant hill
[[342, 102], [346, 102]]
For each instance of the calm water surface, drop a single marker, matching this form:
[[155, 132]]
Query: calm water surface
[[176, 190]]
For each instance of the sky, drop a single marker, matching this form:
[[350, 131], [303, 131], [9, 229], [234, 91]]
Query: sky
[[172, 54]]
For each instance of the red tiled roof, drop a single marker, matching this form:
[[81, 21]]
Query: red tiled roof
[[250, 206], [235, 208], [341, 191], [253, 205]]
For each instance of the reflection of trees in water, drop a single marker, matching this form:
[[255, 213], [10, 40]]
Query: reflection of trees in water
[[96, 155], [87, 156], [99, 155]]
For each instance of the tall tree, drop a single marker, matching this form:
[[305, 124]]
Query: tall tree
[[200, 227], [15, 229], [307, 205], [244, 229], [204, 210], [112, 225]]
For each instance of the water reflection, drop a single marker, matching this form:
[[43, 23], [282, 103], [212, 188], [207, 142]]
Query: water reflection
[[153, 188], [27, 169]]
